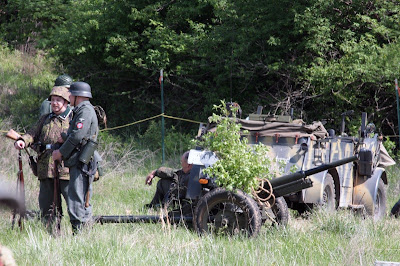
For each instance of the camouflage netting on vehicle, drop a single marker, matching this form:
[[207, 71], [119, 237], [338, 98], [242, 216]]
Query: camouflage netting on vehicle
[[270, 129], [297, 129], [384, 158]]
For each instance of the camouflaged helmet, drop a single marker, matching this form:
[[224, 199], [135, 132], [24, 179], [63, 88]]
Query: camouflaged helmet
[[61, 91], [63, 80], [80, 88]]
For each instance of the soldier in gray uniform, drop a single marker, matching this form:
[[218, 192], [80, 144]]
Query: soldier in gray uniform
[[82, 132], [42, 138], [62, 80], [170, 180]]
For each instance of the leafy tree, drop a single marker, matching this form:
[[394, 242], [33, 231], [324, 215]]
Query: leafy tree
[[319, 57], [240, 165], [24, 22]]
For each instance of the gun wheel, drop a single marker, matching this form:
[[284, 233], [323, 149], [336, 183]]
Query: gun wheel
[[278, 214], [225, 212]]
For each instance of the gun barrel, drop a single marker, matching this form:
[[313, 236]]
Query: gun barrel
[[327, 166], [295, 182], [139, 218]]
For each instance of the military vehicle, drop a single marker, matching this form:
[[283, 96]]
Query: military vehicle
[[318, 169], [360, 185]]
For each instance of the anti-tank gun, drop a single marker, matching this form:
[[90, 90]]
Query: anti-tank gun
[[213, 209]]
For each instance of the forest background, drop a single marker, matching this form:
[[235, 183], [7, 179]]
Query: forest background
[[319, 57]]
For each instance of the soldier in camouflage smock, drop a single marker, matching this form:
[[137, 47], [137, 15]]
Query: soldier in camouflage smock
[[43, 138], [83, 129], [62, 80], [170, 179]]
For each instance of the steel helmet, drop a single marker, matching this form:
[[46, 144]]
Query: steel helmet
[[61, 91], [80, 88], [63, 80]]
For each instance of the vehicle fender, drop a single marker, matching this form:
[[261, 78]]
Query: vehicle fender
[[366, 187], [314, 193]]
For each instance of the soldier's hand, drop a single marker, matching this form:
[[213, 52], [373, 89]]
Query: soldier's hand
[[19, 144], [57, 156], [60, 139], [149, 178]]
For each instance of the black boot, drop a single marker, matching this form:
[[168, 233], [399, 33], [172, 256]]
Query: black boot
[[76, 227], [396, 210]]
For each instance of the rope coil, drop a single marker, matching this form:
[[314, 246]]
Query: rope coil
[[261, 188]]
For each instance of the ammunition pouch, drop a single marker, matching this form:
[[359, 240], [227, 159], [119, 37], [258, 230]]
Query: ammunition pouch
[[93, 168], [82, 154]]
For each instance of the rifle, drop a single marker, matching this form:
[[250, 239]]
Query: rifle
[[20, 194], [11, 134], [20, 183]]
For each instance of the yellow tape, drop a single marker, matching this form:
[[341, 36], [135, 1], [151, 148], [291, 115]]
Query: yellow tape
[[183, 119], [137, 122], [146, 119], [130, 124]]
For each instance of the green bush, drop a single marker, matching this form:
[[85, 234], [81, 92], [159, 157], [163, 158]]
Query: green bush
[[239, 165], [390, 146]]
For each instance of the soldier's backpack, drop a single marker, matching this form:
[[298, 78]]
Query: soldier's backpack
[[101, 115]]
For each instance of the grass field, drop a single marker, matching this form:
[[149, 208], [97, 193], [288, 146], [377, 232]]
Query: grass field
[[342, 238]]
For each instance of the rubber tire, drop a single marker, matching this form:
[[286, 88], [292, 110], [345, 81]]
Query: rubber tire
[[281, 212], [378, 211], [218, 204], [328, 201]]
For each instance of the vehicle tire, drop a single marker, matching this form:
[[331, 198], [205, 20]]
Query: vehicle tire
[[378, 210], [278, 214], [226, 212], [328, 201]]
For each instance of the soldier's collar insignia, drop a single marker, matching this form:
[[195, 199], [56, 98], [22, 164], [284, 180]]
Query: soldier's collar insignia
[[66, 113]]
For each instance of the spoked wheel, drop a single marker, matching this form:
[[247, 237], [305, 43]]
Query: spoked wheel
[[278, 214], [226, 212]]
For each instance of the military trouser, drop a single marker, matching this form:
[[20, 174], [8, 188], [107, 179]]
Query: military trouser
[[163, 186], [78, 187], [46, 197]]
